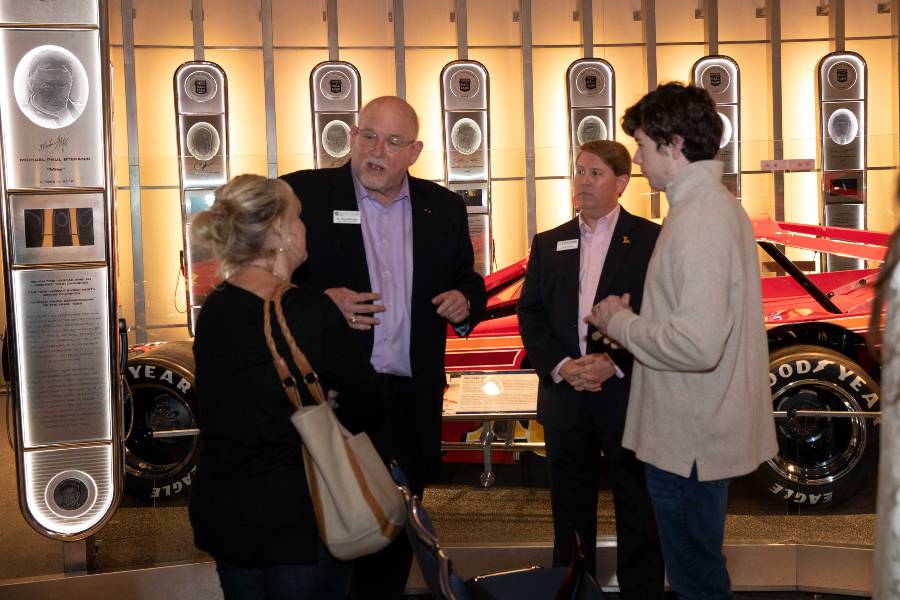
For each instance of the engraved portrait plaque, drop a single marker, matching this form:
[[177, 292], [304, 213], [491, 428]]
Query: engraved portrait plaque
[[52, 130], [64, 355], [336, 138], [466, 136], [843, 137], [590, 129], [57, 228], [466, 145], [203, 142], [55, 12], [71, 493]]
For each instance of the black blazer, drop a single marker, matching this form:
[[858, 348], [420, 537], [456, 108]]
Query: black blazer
[[548, 315], [442, 260]]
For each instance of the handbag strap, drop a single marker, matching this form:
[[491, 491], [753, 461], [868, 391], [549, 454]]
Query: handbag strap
[[288, 381]]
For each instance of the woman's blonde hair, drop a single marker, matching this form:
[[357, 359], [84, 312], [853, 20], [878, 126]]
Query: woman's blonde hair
[[236, 226]]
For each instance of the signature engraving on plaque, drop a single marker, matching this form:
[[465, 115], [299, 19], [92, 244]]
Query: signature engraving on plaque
[[54, 146]]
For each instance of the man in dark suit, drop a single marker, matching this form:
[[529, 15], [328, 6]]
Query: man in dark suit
[[583, 392], [393, 253]]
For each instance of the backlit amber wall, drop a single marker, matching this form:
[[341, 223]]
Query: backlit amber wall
[[163, 38]]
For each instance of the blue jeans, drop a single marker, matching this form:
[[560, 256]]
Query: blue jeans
[[325, 580], [690, 515]]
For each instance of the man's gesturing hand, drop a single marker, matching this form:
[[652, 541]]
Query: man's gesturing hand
[[355, 306], [452, 305]]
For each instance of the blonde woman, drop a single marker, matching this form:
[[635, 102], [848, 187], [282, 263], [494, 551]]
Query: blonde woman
[[251, 507]]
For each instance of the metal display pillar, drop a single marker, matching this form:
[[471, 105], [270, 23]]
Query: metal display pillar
[[58, 230], [465, 98], [842, 86]]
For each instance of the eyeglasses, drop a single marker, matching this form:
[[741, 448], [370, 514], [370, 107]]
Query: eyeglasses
[[392, 143]]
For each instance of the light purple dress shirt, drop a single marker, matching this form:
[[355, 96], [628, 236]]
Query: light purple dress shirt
[[387, 236], [593, 247]]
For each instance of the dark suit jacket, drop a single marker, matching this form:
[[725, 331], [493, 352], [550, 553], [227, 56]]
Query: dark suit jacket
[[442, 260], [548, 315]]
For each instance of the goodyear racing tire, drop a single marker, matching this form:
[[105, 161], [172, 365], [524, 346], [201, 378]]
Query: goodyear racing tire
[[160, 397], [821, 460]]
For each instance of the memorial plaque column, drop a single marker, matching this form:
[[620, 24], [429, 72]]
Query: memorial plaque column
[[591, 93], [59, 263], [465, 98], [201, 109], [720, 76], [842, 136], [334, 90]]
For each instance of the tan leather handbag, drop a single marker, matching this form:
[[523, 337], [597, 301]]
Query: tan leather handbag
[[359, 509]]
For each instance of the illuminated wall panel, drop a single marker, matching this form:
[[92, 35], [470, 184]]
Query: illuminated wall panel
[[119, 128], [364, 23], [882, 68], [799, 20], [156, 114], [631, 82], [673, 63], [423, 91], [801, 197], [675, 22], [160, 218], [427, 23], [881, 205], [507, 109], [862, 19], [738, 21], [756, 190], [115, 23], [554, 203], [230, 23], [798, 81], [299, 23], [552, 22], [124, 255], [756, 94], [636, 198], [491, 24], [376, 69], [508, 204], [292, 106], [551, 135], [614, 22], [163, 22], [246, 108]]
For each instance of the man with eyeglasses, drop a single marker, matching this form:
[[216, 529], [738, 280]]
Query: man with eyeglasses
[[393, 253]]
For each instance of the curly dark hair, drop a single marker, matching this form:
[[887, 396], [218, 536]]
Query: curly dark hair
[[677, 109]]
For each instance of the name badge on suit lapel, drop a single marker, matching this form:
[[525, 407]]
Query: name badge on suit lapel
[[346, 217], [567, 245]]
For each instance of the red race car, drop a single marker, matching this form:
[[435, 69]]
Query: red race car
[[819, 360]]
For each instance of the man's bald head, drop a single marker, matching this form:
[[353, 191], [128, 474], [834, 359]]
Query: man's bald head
[[397, 105]]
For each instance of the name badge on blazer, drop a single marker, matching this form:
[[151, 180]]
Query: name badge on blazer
[[346, 217], [566, 245]]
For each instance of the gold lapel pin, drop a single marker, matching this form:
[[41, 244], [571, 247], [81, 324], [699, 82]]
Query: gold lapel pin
[[626, 240]]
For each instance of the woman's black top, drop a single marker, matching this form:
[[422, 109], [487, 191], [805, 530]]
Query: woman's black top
[[250, 503]]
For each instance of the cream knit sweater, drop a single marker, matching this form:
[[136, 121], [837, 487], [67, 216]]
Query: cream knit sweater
[[700, 382]]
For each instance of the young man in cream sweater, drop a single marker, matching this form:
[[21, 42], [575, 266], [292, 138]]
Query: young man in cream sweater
[[699, 412]]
